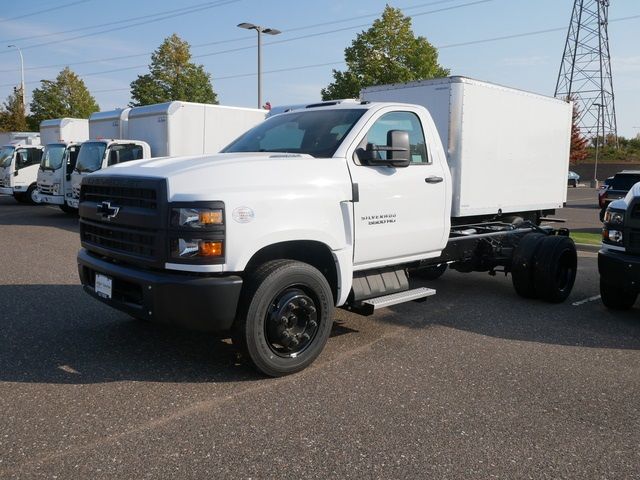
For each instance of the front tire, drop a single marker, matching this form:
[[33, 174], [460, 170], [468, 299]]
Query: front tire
[[68, 210], [32, 195], [285, 317], [616, 298]]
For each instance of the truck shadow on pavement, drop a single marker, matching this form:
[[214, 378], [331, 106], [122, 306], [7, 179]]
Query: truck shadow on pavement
[[489, 306], [58, 334], [14, 213]]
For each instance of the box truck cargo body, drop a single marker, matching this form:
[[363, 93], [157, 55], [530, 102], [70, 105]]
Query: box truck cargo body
[[184, 128], [64, 130], [24, 138], [508, 150], [109, 124]]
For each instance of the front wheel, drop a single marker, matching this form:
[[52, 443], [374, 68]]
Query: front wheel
[[32, 195], [285, 317], [616, 298], [69, 210]]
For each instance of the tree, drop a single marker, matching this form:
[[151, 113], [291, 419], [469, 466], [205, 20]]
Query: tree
[[66, 96], [579, 145], [388, 52], [172, 76], [12, 115]]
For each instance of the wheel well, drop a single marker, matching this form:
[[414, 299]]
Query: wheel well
[[314, 253]]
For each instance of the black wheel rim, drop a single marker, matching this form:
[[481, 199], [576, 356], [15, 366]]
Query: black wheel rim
[[292, 322]]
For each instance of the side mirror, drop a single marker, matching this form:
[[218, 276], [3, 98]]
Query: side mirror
[[398, 147]]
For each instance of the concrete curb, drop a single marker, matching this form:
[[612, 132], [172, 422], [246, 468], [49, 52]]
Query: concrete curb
[[585, 247]]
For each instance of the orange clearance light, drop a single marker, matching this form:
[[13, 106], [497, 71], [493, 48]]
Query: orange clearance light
[[210, 217], [210, 249], [605, 234]]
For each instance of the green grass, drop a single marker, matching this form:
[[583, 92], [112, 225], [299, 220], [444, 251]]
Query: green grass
[[588, 238]]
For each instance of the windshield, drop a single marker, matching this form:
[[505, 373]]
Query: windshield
[[624, 181], [6, 155], [90, 156], [314, 132], [53, 156]]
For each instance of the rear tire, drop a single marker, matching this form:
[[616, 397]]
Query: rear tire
[[285, 316], [20, 197], [555, 267], [616, 298], [522, 265]]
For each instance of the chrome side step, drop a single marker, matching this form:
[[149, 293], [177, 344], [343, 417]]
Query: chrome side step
[[367, 307]]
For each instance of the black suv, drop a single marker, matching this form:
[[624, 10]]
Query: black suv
[[619, 257], [616, 187]]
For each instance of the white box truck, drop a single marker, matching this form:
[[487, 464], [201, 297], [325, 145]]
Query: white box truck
[[109, 145], [19, 161], [331, 205], [169, 129], [61, 138], [184, 128]]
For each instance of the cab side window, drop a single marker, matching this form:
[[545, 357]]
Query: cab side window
[[125, 153], [405, 121], [72, 158], [26, 157]]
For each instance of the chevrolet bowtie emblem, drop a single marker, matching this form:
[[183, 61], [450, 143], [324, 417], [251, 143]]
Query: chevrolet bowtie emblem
[[107, 210]]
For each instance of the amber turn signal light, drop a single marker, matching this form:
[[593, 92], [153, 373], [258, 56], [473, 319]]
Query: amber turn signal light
[[210, 249]]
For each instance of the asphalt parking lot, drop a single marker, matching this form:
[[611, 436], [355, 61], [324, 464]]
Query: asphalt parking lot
[[473, 383]]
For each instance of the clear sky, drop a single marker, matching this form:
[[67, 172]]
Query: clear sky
[[298, 63]]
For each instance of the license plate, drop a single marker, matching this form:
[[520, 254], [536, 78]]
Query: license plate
[[104, 285]]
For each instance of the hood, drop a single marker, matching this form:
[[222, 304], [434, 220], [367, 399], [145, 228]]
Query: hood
[[197, 178]]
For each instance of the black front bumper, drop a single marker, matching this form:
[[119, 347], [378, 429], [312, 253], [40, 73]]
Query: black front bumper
[[619, 269], [195, 302]]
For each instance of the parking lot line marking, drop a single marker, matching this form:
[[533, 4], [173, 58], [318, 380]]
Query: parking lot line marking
[[580, 199], [586, 300]]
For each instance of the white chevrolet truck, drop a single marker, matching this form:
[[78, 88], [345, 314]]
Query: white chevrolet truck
[[348, 205]]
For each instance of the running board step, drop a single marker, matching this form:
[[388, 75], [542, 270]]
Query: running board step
[[367, 307]]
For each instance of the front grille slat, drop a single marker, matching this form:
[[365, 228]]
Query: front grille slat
[[125, 196], [128, 241]]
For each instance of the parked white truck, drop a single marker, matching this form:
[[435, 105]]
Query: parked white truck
[[108, 146], [170, 129], [19, 161], [334, 205], [62, 138]]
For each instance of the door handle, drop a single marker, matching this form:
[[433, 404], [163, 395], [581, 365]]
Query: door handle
[[433, 179]]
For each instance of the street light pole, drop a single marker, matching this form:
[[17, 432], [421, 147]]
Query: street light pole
[[260, 30], [24, 102]]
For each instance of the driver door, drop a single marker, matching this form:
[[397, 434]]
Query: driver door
[[400, 212]]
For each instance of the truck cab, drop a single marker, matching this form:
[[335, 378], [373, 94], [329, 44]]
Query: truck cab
[[54, 175], [95, 155], [19, 165], [619, 257]]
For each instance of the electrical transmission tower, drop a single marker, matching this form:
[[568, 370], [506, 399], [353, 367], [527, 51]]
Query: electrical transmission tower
[[585, 71]]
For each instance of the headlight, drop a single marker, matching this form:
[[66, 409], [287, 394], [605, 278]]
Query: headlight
[[196, 248], [56, 188], [613, 236], [615, 217], [196, 218]]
